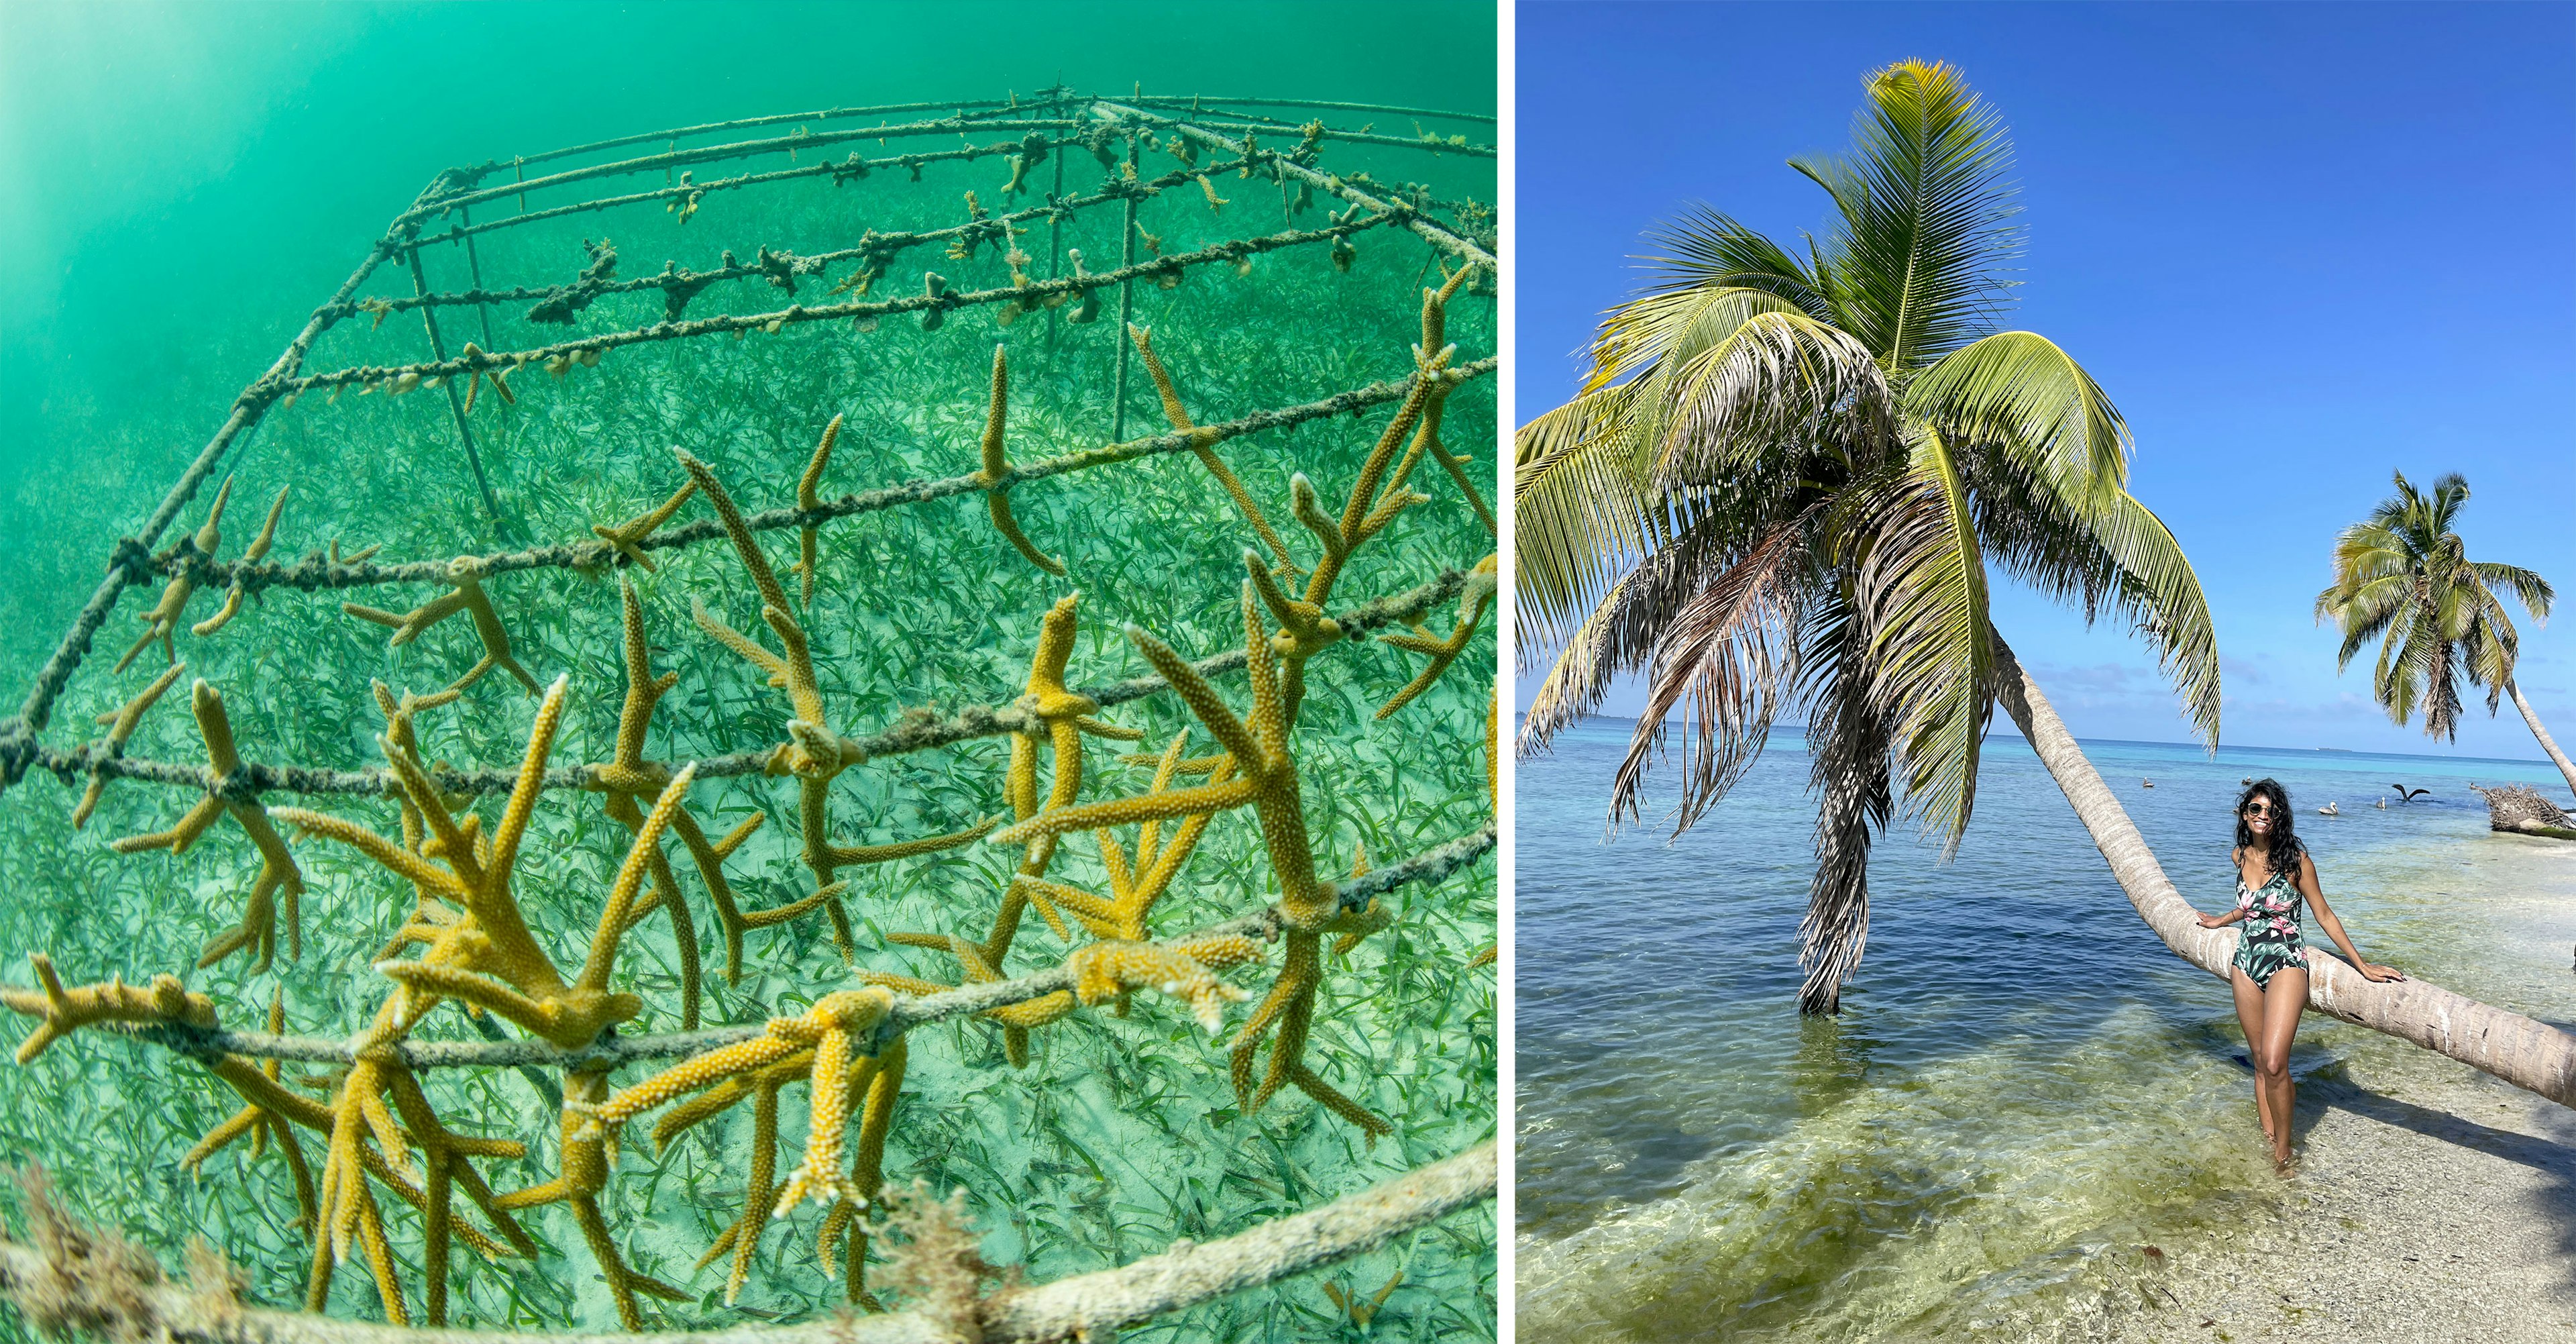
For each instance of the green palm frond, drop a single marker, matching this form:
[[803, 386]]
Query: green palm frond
[[1705, 250], [2160, 591], [1581, 510], [1778, 382], [2490, 647], [2528, 588], [1619, 636], [2397, 680], [1731, 652], [1918, 256], [2019, 392], [1921, 595], [2117, 555], [1661, 330], [2367, 612]]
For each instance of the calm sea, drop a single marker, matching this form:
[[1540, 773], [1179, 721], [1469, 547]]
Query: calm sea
[[2021, 1075]]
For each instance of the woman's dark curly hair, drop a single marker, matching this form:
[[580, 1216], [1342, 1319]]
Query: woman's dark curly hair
[[2283, 854]]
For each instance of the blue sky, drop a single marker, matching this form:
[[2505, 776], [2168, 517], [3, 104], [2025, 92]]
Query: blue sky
[[2302, 246]]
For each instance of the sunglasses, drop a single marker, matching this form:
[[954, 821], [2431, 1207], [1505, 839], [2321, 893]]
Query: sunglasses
[[2259, 810]]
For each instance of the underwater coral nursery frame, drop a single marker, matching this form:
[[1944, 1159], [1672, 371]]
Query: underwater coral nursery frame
[[1210, 137]]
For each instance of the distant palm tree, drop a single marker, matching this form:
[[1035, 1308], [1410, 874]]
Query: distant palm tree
[[1783, 482], [2403, 577]]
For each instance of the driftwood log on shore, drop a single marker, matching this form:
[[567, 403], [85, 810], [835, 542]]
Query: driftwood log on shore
[[2529, 1054], [2524, 810]]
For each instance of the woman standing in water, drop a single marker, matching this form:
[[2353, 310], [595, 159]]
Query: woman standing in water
[[2273, 874]]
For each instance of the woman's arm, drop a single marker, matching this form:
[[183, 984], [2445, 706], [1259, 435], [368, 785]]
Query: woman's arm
[[2334, 927], [2235, 859]]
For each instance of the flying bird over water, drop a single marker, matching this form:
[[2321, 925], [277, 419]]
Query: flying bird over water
[[2407, 795]]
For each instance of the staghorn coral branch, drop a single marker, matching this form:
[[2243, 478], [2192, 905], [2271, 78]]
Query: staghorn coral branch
[[1091, 1306], [919, 730], [611, 1050]]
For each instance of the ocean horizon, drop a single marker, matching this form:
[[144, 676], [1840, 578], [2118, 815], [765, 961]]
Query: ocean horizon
[[2004, 733]]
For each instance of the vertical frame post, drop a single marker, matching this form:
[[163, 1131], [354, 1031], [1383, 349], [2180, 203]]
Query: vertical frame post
[[1126, 302], [455, 403], [474, 264], [1055, 245]]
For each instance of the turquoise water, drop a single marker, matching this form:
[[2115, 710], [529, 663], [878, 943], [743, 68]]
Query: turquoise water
[[2021, 1076], [214, 172]]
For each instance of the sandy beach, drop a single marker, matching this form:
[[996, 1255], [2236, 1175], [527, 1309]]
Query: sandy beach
[[2429, 1205]]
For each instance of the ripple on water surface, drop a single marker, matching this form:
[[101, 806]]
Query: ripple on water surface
[[2021, 1077]]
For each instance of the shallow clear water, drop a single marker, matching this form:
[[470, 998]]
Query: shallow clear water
[[2021, 1075]]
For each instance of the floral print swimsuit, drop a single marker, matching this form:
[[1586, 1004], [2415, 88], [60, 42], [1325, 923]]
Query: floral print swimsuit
[[2271, 941]]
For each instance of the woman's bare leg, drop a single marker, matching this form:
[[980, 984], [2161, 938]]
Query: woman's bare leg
[[2283, 1000], [2249, 1014]]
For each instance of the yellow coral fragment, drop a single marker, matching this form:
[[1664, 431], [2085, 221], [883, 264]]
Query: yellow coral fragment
[[1442, 652], [467, 574], [120, 726], [808, 544], [1179, 417], [64, 1011], [163, 619], [258, 551], [498, 374], [627, 537], [1290, 1006], [277, 870], [996, 464], [825, 1037], [1266, 775], [813, 754], [487, 959], [1104, 971]]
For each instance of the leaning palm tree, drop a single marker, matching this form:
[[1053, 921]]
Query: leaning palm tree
[[1785, 481], [2402, 576]]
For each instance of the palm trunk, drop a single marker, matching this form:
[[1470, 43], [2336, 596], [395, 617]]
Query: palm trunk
[[2530, 1055], [2547, 743]]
